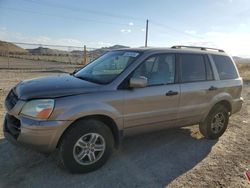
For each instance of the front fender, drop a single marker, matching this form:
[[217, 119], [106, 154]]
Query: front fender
[[76, 111]]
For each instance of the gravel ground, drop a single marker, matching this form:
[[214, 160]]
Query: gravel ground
[[174, 158]]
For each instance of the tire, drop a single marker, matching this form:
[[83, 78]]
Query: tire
[[215, 123], [76, 152]]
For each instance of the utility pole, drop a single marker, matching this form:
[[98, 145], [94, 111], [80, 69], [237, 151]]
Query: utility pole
[[85, 55], [146, 40]]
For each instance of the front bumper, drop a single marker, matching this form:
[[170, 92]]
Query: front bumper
[[42, 136]]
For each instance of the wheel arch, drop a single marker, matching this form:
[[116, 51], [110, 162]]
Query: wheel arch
[[226, 104], [117, 134]]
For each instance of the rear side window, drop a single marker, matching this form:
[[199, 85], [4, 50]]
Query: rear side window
[[192, 68], [225, 67]]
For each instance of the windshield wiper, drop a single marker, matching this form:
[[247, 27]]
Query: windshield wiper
[[75, 71]]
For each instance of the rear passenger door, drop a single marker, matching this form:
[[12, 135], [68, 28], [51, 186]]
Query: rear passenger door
[[196, 84]]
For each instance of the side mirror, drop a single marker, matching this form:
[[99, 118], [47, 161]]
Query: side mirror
[[138, 82]]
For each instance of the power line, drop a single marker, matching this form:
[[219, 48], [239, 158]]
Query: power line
[[166, 27], [56, 46], [163, 26], [49, 45], [113, 15], [102, 13], [64, 17]]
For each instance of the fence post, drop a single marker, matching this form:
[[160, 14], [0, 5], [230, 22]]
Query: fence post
[[85, 55]]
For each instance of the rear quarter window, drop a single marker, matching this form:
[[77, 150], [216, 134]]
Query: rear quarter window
[[225, 67]]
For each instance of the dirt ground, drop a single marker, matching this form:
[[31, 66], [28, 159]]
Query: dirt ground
[[173, 158]]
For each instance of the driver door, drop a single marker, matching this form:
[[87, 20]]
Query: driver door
[[157, 104]]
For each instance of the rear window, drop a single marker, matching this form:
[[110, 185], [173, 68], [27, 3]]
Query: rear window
[[192, 68], [225, 67]]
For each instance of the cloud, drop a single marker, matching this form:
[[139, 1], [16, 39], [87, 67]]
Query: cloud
[[243, 26], [11, 36], [99, 44], [131, 24], [191, 32], [3, 33], [125, 30], [232, 43], [68, 43]]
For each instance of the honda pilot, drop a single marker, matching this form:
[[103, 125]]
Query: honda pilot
[[84, 115]]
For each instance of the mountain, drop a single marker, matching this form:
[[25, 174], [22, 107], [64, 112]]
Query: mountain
[[241, 60], [117, 46], [13, 49], [49, 51], [100, 51], [46, 51], [7, 47], [97, 52], [111, 48]]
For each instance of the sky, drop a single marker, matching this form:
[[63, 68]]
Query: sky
[[222, 24]]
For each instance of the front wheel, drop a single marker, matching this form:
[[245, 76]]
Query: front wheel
[[216, 122], [87, 146]]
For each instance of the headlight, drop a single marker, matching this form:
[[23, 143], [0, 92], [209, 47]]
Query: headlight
[[40, 109]]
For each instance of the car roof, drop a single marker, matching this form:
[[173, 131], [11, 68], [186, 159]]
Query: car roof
[[174, 50]]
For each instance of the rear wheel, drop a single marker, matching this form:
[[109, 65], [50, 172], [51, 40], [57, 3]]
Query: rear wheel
[[87, 146], [216, 122]]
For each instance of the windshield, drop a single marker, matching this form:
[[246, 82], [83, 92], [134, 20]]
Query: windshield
[[107, 67]]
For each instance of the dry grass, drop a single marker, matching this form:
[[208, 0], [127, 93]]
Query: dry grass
[[244, 70], [26, 64]]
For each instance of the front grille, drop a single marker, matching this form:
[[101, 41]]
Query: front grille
[[11, 100]]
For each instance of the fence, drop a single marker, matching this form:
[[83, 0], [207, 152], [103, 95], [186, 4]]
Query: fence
[[26, 56]]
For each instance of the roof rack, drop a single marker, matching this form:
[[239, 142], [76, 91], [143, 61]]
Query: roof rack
[[198, 47]]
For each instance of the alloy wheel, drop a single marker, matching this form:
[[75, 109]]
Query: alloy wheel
[[89, 148]]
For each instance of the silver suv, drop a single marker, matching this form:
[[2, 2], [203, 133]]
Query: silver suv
[[86, 114]]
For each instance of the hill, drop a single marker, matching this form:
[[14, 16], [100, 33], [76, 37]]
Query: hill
[[46, 51], [241, 60], [7, 47], [100, 51]]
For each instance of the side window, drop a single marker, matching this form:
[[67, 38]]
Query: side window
[[225, 67], [159, 69], [192, 68]]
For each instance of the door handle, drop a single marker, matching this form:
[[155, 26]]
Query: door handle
[[212, 88], [171, 93]]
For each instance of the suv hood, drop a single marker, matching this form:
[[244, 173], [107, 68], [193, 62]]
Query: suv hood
[[53, 86]]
